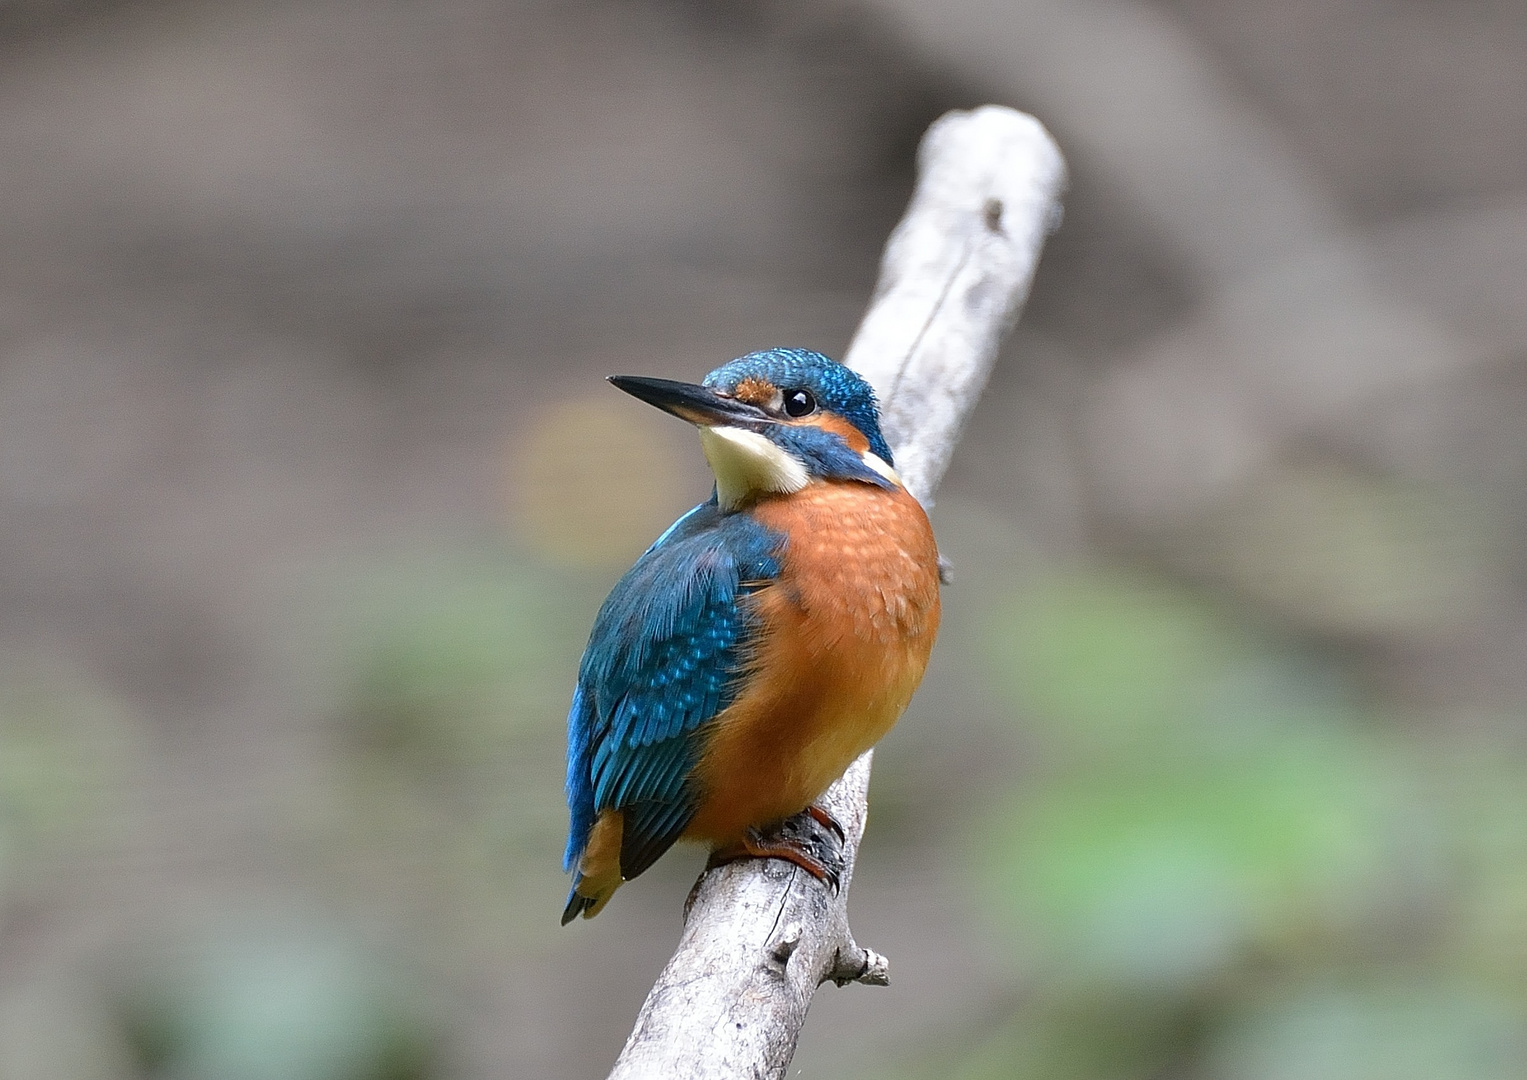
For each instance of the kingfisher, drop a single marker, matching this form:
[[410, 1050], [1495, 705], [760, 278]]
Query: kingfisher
[[768, 638]]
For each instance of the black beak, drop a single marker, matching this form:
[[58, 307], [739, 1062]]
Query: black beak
[[697, 404]]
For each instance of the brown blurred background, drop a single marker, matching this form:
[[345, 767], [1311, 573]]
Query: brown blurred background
[[310, 486]]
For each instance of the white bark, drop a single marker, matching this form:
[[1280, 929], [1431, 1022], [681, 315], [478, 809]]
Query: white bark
[[761, 935], [954, 276]]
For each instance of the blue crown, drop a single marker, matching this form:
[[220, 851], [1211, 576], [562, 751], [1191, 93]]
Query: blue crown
[[837, 389]]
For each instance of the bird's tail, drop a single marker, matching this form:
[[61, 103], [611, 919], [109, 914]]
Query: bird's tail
[[589, 903], [598, 869]]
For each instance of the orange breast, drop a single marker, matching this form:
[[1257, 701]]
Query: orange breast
[[845, 636]]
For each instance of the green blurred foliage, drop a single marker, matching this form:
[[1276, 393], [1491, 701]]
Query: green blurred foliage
[[283, 1004], [450, 658], [1389, 1031], [1352, 553], [64, 748], [452, 690], [432, 812], [1162, 876], [1217, 864], [435, 813], [1102, 663], [68, 758]]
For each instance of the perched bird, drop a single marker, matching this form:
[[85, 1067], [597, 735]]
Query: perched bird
[[767, 639]]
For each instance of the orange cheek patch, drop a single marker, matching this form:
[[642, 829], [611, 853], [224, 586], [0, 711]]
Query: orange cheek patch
[[840, 427], [756, 391]]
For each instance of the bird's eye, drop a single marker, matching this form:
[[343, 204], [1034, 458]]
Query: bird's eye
[[799, 403]]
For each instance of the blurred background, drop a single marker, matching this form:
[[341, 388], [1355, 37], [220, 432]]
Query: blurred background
[[306, 505]]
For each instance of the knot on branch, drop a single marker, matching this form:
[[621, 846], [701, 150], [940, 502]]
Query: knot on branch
[[857, 965], [784, 946]]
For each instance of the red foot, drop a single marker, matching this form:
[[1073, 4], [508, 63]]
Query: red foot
[[753, 845], [795, 841], [823, 818]]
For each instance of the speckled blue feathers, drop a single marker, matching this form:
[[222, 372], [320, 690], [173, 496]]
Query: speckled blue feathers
[[670, 646], [663, 659], [839, 389]]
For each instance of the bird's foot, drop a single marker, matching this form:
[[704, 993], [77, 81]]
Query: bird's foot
[[812, 840], [822, 817]]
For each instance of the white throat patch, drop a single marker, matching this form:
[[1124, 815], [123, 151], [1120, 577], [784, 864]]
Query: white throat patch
[[747, 464]]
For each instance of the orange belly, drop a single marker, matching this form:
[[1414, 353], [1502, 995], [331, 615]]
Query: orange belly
[[845, 634]]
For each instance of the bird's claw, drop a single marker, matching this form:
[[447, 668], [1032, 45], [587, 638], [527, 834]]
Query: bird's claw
[[811, 840], [822, 817]]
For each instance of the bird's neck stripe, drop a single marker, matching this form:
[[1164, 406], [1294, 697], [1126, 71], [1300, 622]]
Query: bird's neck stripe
[[747, 465], [878, 464]]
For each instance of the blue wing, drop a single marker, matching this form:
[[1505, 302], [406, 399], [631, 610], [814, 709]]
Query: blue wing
[[662, 661]]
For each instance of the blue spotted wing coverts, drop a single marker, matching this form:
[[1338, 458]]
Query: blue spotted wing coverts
[[662, 661]]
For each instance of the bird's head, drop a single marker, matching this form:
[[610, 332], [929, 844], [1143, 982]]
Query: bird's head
[[774, 421]]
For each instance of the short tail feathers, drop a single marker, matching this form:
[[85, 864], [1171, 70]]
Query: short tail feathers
[[587, 906], [598, 868], [576, 905]]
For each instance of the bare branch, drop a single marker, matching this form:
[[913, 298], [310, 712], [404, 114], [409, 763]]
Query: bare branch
[[1294, 326], [761, 935], [955, 274]]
